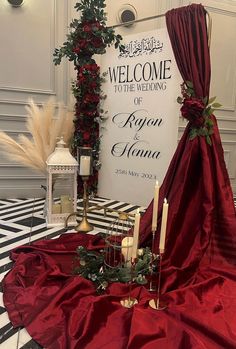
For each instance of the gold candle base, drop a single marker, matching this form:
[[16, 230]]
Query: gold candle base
[[84, 226], [128, 302], [155, 304]]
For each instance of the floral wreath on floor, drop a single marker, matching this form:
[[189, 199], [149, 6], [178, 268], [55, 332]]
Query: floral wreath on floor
[[88, 36], [91, 265], [197, 111]]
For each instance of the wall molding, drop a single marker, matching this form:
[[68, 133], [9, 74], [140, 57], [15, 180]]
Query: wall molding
[[21, 177], [54, 86], [220, 10], [226, 118], [231, 14], [17, 102], [27, 90], [10, 118], [227, 131], [16, 133]]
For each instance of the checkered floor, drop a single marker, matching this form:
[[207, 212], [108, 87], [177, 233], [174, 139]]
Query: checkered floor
[[22, 222]]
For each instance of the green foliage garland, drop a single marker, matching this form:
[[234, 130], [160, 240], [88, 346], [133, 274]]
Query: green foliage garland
[[92, 267], [88, 36]]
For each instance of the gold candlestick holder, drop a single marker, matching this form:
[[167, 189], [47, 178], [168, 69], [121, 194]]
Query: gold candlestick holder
[[84, 225], [129, 302], [155, 303], [151, 285]]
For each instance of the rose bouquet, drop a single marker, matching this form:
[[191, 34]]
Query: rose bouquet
[[197, 111]]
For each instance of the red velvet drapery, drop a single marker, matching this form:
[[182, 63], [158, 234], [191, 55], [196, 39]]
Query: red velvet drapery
[[197, 185]]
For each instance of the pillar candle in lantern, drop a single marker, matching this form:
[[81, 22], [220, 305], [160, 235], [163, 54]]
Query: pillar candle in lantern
[[84, 166], [66, 205], [56, 208], [136, 234], [163, 226], [126, 249], [155, 207]]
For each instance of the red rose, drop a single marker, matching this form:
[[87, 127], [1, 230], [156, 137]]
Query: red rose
[[83, 43], [91, 98], [90, 67], [199, 122], [91, 113], [86, 136], [87, 28], [97, 42], [93, 84], [76, 50], [94, 67], [192, 110]]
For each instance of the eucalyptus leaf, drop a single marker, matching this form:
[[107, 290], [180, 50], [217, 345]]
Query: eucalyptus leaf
[[212, 99], [180, 100], [208, 139], [189, 84], [216, 105]]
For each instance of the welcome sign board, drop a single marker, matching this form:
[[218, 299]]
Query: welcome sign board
[[140, 134]]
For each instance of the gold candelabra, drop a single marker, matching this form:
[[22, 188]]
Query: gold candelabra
[[84, 225]]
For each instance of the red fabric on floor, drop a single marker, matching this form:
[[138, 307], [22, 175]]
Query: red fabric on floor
[[63, 311]]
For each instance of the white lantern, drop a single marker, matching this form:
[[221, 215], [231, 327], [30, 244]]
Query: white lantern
[[61, 198]]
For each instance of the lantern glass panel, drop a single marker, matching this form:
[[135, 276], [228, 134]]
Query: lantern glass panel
[[62, 194]]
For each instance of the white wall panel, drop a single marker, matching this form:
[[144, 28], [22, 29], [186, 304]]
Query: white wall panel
[[27, 44], [28, 37]]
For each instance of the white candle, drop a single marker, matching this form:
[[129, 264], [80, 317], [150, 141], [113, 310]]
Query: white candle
[[126, 249], [56, 208], [136, 234], [163, 226], [155, 207], [84, 167], [66, 207]]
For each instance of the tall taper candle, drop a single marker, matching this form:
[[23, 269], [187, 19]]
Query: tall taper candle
[[163, 226], [136, 234], [155, 207]]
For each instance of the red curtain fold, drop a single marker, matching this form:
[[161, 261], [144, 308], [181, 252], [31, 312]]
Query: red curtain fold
[[197, 186]]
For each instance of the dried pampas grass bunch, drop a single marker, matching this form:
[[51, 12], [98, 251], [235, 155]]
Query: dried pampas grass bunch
[[45, 125]]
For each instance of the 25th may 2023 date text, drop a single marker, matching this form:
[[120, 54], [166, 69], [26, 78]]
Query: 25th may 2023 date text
[[120, 171]]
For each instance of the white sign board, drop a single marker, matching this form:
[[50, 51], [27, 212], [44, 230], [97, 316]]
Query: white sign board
[[140, 134]]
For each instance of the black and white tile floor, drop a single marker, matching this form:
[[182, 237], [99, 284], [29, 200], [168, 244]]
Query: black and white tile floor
[[22, 222]]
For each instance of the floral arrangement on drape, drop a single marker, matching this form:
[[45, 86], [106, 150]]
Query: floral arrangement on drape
[[88, 36], [198, 111]]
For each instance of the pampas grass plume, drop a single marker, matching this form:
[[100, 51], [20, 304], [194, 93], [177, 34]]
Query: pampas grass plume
[[45, 125]]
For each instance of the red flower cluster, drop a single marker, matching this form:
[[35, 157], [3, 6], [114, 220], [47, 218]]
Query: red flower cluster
[[192, 110], [88, 38], [94, 26], [88, 74]]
